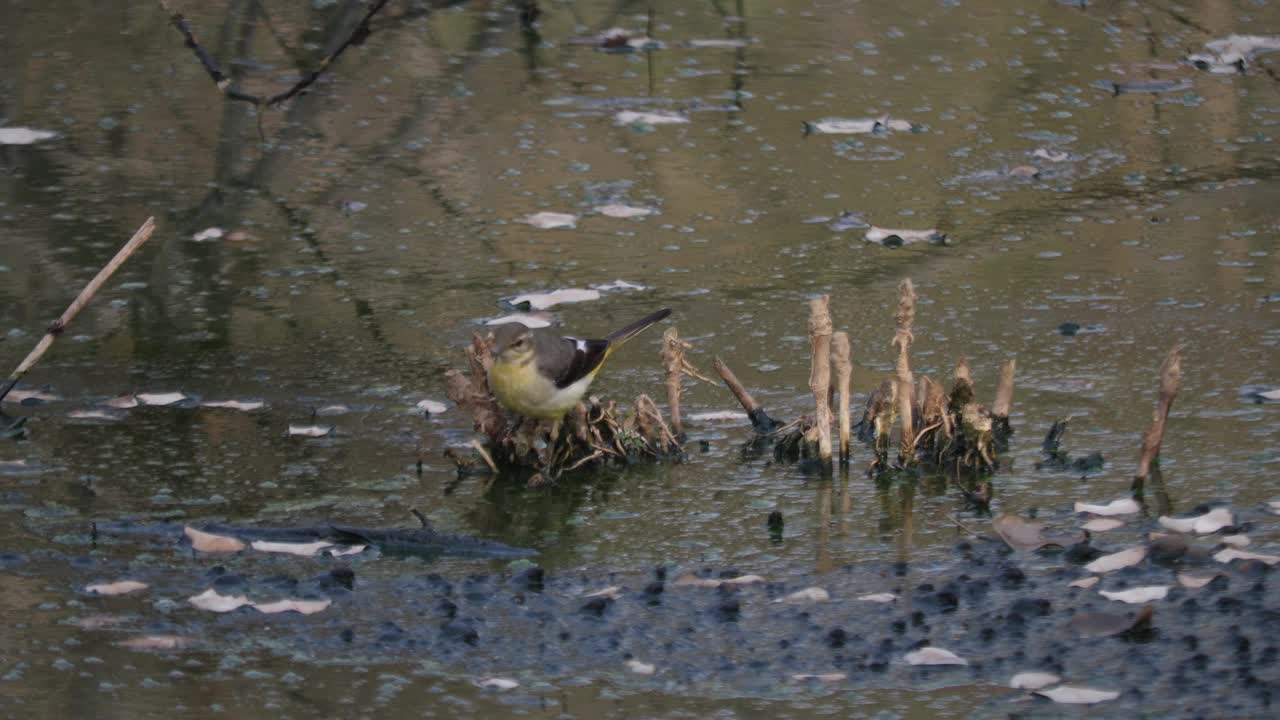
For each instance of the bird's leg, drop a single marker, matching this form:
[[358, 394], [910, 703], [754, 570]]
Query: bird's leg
[[555, 431]]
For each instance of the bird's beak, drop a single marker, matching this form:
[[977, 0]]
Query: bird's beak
[[490, 342]]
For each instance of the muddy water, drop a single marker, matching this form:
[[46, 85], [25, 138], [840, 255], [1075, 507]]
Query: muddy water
[[371, 226]]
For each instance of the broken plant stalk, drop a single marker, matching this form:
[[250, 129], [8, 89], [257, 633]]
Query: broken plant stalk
[[673, 364], [905, 316], [141, 236], [1170, 383], [760, 420], [820, 373], [840, 358]]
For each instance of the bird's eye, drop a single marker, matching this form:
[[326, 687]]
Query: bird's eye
[[519, 344]]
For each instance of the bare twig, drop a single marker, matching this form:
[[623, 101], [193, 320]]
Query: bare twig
[[1170, 384], [141, 236], [840, 358], [820, 372]]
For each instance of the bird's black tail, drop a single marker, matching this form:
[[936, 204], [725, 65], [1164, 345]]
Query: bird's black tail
[[617, 337]]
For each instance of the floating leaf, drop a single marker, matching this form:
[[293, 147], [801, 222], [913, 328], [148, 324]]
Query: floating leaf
[[119, 587], [542, 301], [640, 668], [1085, 582], [1033, 680], [432, 407], [1194, 581], [498, 684], [1124, 506], [1229, 54], [717, 416], [1150, 85], [550, 220], [1105, 624], [1022, 535], [529, 320], [832, 677], [1210, 522], [1226, 556], [92, 415], [632, 117], [896, 238], [1078, 695], [612, 592], [241, 405], [1118, 560], [310, 549], [933, 656], [208, 542], [810, 594], [23, 136], [1051, 155], [617, 210], [691, 580], [161, 399], [878, 597], [742, 580], [309, 430], [1102, 524], [124, 402], [344, 550], [1138, 595], [844, 126], [619, 285], [212, 601], [30, 396], [213, 233], [726, 43], [154, 642], [306, 607]]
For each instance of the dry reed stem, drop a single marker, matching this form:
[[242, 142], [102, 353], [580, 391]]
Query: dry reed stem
[[905, 317], [1170, 384], [139, 237], [820, 372], [841, 360]]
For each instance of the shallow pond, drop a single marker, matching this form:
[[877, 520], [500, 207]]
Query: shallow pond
[[1083, 173]]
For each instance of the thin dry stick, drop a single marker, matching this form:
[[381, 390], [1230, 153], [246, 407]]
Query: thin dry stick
[[141, 236], [1170, 383], [820, 372], [760, 420], [905, 316], [840, 358], [1004, 390], [673, 363]]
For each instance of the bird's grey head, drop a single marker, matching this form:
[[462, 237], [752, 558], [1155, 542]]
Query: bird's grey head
[[511, 339]]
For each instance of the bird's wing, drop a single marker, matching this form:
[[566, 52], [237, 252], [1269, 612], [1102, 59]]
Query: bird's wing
[[567, 360]]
